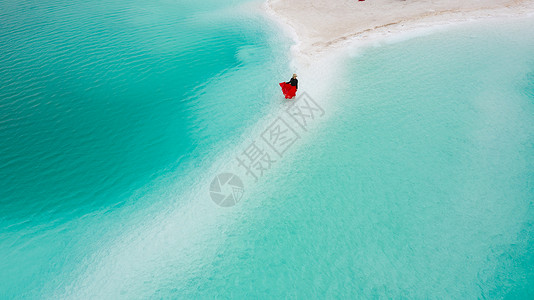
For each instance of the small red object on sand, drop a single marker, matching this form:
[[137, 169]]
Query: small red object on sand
[[288, 90]]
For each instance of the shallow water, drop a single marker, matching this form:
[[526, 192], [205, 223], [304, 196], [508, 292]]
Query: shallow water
[[115, 116], [419, 184]]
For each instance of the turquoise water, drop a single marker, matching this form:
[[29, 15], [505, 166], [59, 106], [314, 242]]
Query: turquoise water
[[420, 185], [418, 182], [101, 103]]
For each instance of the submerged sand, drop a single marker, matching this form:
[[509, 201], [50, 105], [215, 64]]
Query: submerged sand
[[322, 24]]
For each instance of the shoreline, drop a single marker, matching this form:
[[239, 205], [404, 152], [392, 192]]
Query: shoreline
[[357, 23]]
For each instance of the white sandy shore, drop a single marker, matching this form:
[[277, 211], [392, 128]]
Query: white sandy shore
[[320, 25]]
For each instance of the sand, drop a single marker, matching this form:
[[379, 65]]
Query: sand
[[320, 25]]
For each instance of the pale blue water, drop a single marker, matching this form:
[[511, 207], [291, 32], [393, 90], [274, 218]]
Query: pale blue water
[[419, 184]]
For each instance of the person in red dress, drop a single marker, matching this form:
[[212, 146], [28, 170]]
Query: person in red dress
[[290, 88]]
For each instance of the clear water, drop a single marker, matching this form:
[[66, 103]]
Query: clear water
[[101, 103], [114, 117]]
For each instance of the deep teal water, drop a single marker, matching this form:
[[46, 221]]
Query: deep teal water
[[102, 100], [418, 183]]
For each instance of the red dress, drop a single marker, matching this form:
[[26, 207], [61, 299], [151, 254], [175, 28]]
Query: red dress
[[288, 90]]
